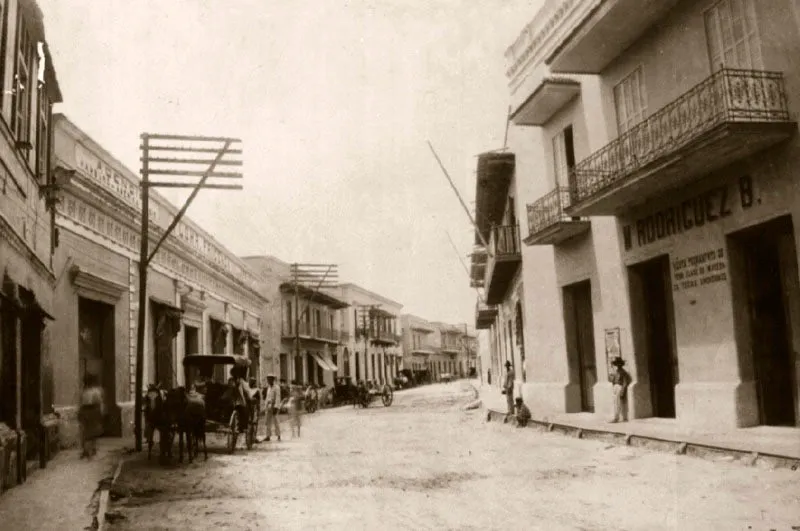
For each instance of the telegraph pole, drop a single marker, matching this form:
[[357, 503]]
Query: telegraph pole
[[184, 162]]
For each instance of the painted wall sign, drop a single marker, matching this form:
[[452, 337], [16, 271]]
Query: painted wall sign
[[700, 269], [707, 207], [613, 347]]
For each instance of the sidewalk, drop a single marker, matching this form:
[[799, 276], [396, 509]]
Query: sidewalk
[[63, 496], [776, 442]]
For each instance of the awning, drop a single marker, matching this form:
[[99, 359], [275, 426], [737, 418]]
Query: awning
[[326, 364]]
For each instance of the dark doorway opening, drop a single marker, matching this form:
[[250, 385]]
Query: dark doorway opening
[[97, 353], [191, 338], [654, 330], [768, 290], [579, 321]]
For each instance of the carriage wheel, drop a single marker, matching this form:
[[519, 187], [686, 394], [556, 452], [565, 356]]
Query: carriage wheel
[[233, 431], [388, 396]]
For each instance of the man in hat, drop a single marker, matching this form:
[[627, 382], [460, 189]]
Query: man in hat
[[523, 413], [620, 379], [509, 387], [273, 396]]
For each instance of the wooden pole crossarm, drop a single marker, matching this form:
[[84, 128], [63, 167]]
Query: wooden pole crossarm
[[170, 160], [316, 289], [463, 204], [191, 185], [189, 200], [190, 149], [192, 173]]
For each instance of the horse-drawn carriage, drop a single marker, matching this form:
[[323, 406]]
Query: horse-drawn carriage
[[232, 406], [368, 392]]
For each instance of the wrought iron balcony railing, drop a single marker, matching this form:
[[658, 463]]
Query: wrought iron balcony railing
[[548, 210], [728, 96], [504, 241]]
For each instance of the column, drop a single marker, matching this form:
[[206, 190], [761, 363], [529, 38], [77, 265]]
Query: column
[[180, 347]]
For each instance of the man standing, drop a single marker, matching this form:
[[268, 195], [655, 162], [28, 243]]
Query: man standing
[[273, 402], [509, 387], [620, 379]]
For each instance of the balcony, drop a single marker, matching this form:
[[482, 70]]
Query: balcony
[[591, 33], [383, 337], [727, 117], [547, 222], [308, 331], [494, 174], [503, 262], [477, 270], [550, 96], [484, 316]]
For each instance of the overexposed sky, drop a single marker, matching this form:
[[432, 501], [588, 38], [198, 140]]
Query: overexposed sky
[[334, 101]]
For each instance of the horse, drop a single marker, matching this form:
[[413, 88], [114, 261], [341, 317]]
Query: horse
[[157, 417], [188, 409]]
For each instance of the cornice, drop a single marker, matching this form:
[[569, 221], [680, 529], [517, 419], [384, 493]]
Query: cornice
[[87, 281]]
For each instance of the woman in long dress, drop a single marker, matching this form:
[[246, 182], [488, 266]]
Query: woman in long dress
[[90, 415]]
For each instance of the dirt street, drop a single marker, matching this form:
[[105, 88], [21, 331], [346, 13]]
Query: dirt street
[[425, 464]]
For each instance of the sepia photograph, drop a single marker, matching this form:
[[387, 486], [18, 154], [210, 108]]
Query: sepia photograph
[[399, 265]]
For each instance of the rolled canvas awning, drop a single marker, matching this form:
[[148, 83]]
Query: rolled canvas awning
[[326, 364]]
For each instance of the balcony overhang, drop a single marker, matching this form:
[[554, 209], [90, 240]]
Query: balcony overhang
[[500, 275], [558, 232], [550, 96], [307, 293], [607, 29], [495, 170], [726, 118]]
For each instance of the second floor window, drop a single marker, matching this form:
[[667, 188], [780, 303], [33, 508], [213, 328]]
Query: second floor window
[[732, 35], [630, 101], [26, 51], [563, 156]]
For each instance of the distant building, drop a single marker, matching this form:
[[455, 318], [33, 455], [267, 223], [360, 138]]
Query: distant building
[[28, 195], [307, 324], [419, 346], [201, 299], [372, 350]]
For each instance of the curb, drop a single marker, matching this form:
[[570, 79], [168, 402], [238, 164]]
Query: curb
[[674, 446], [99, 520]]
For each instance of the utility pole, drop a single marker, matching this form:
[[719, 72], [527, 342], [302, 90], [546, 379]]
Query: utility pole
[[463, 204], [184, 163], [306, 275]]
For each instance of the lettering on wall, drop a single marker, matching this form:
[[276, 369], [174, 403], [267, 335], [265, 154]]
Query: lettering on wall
[[701, 269], [707, 207], [103, 175]]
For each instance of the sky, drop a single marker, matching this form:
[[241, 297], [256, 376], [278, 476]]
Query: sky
[[334, 101]]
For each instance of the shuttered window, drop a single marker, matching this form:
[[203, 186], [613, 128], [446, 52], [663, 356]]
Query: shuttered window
[[732, 35], [630, 100]]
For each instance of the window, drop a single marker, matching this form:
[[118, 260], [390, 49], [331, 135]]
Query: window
[[563, 156], [289, 325], [26, 51], [630, 101], [43, 137], [732, 35]]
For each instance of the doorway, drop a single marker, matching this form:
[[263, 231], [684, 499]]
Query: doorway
[[579, 322], [768, 288], [654, 330], [96, 350], [191, 338]]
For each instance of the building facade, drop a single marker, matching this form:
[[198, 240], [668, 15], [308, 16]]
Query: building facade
[[201, 299], [419, 346], [372, 349], [496, 266], [28, 191], [661, 225], [306, 324]]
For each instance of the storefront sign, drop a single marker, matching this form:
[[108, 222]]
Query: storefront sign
[[707, 207], [700, 269], [613, 348]]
